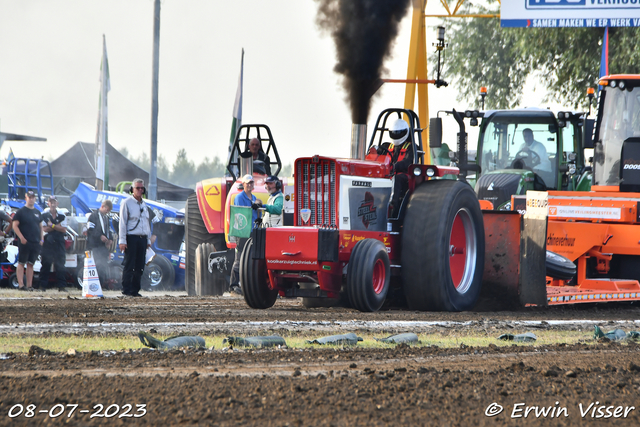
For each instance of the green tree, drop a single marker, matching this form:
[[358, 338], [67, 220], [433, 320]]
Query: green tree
[[287, 171], [567, 60], [183, 170], [144, 161], [209, 169]]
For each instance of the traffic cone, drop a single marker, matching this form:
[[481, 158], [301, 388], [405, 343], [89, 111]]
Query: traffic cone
[[90, 282]]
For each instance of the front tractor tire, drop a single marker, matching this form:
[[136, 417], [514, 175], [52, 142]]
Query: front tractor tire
[[254, 280], [368, 275], [443, 247]]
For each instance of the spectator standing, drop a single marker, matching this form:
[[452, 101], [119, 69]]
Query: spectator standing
[[27, 224], [99, 239], [54, 224], [273, 214], [134, 238]]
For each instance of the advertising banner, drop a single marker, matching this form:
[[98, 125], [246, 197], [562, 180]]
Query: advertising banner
[[570, 13]]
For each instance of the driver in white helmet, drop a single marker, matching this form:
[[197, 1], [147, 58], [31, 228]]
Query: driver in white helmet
[[544, 167], [401, 157]]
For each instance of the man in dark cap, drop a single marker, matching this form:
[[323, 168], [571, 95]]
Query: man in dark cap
[[273, 214], [54, 224]]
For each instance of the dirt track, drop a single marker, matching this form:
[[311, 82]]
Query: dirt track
[[325, 386]]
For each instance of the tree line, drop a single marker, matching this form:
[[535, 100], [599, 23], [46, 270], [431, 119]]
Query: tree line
[[185, 172], [565, 60]]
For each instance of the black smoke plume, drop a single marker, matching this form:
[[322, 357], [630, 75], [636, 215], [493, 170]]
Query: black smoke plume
[[363, 31]]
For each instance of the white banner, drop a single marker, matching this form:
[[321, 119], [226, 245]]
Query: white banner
[[102, 131], [584, 212], [570, 13]]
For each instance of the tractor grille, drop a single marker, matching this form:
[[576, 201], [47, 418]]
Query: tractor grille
[[316, 190]]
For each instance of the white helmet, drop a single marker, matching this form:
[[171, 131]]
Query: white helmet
[[399, 131]]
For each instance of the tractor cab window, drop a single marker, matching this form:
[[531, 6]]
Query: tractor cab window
[[569, 139], [620, 120], [531, 146]]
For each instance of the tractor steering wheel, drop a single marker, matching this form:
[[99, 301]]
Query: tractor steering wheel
[[383, 149], [526, 156]]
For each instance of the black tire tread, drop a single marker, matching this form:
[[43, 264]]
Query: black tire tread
[[253, 280], [168, 274], [359, 273], [562, 269], [196, 233], [425, 252]]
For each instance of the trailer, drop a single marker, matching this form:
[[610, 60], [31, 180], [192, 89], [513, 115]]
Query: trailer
[[599, 230]]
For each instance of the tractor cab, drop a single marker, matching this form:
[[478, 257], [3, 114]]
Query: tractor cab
[[616, 137], [529, 149]]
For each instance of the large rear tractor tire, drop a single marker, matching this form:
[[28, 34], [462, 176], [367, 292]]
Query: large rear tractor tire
[[443, 247], [253, 278], [368, 275], [196, 233]]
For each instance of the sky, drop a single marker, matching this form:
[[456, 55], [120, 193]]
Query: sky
[[51, 52]]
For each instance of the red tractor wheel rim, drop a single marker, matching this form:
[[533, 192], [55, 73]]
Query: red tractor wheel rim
[[379, 276], [462, 251]]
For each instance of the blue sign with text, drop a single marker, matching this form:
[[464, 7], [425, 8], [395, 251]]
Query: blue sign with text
[[570, 13], [531, 4]]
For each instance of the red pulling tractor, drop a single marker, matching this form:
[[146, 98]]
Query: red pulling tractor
[[344, 241]]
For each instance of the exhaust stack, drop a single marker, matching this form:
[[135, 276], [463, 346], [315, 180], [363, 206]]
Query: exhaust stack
[[358, 141]]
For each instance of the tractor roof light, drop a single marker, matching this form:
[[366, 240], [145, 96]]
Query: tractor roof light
[[417, 171], [621, 85], [613, 83], [441, 34]]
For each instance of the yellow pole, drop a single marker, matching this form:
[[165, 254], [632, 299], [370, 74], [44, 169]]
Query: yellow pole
[[417, 69]]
